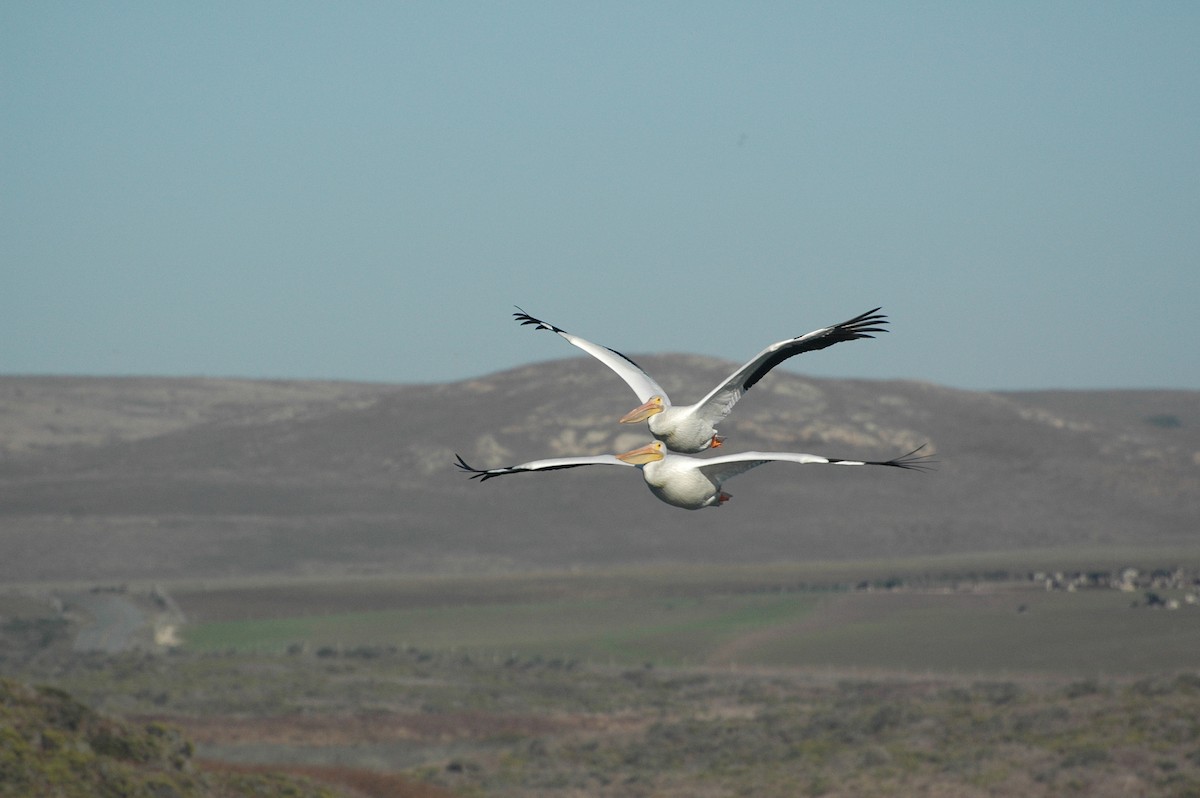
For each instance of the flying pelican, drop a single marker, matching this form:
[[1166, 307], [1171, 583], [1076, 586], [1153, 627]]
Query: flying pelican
[[692, 428], [689, 482]]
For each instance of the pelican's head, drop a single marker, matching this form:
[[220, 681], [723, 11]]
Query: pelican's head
[[649, 453], [655, 404]]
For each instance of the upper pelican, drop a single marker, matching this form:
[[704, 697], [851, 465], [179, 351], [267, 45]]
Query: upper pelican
[[692, 428], [689, 482]]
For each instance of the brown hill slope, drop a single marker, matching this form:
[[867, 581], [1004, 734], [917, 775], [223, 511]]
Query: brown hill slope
[[110, 478], [53, 745]]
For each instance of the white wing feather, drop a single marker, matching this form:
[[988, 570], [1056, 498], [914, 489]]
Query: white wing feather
[[730, 465], [642, 383], [548, 464]]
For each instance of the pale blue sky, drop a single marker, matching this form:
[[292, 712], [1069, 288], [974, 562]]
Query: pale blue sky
[[362, 191]]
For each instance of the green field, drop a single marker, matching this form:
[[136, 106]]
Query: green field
[[662, 630], [685, 617]]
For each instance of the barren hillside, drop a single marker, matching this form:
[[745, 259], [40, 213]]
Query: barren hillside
[[107, 478]]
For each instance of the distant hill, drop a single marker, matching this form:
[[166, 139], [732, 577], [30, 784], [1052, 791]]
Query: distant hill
[[115, 479]]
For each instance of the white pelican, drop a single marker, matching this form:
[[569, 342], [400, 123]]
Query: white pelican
[[692, 428], [689, 482]]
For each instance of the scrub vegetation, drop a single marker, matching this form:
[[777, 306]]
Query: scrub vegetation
[[536, 726], [52, 745], [649, 682]]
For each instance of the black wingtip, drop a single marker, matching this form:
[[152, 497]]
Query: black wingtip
[[862, 325], [913, 461], [525, 319], [476, 473]]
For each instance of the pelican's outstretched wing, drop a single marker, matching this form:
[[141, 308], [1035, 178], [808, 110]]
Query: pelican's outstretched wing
[[720, 400], [730, 465], [641, 382], [551, 464]]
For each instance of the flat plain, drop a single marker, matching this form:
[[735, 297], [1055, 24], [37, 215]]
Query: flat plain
[[935, 676], [914, 619]]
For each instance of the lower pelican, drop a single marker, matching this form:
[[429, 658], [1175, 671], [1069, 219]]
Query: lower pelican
[[690, 482]]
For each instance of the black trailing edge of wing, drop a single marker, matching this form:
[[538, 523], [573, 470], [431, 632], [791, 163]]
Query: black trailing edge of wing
[[861, 326]]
